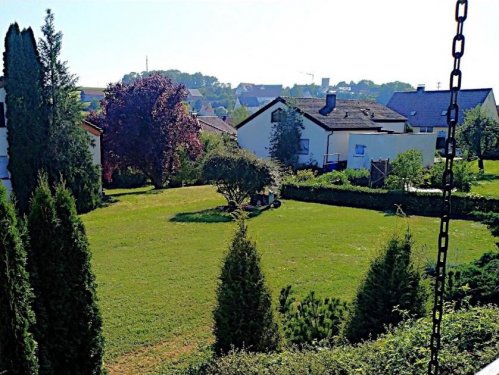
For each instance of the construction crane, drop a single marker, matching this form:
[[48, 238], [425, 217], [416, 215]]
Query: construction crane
[[312, 75]]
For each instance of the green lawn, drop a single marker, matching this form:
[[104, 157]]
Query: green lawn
[[489, 184], [156, 276]]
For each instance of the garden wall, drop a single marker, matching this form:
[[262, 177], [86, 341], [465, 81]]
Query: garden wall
[[427, 204]]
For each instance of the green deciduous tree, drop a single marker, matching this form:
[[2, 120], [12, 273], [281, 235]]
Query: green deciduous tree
[[243, 316], [392, 285], [17, 346], [478, 134], [27, 127], [238, 173], [68, 327], [239, 115], [68, 154], [407, 169], [285, 137]]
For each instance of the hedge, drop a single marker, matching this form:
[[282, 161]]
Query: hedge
[[413, 203], [470, 341]]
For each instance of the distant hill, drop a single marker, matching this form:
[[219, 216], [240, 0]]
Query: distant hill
[[222, 94]]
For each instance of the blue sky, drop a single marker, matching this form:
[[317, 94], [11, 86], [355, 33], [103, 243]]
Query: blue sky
[[270, 41]]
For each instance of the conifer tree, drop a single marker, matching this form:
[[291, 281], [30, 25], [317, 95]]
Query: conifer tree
[[84, 344], [392, 286], [68, 154], [243, 316], [47, 276], [27, 128], [68, 327], [17, 346]]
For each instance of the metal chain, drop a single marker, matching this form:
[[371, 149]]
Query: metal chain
[[448, 184]]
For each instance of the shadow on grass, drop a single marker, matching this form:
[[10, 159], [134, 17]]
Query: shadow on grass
[[212, 215], [488, 177]]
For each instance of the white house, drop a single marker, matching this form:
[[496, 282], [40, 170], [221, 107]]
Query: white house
[[93, 131], [328, 126], [426, 111]]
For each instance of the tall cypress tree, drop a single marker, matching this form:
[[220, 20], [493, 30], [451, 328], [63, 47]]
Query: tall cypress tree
[[47, 276], [243, 316], [391, 281], [17, 346], [84, 341], [68, 327], [68, 154], [27, 128]]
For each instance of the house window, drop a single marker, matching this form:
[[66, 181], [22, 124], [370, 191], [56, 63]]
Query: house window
[[4, 173], [2, 116], [444, 113], [360, 150], [426, 129], [413, 113], [304, 147], [277, 115]]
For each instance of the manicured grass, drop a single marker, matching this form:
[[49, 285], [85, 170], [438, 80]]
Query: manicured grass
[[489, 184], [157, 276]]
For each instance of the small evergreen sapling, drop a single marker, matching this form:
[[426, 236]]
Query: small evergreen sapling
[[243, 316], [392, 286], [17, 346]]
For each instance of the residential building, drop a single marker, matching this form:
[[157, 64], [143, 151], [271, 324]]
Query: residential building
[[254, 96], [214, 124], [426, 111], [328, 126], [89, 95]]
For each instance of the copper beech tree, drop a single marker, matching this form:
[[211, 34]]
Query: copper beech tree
[[145, 125]]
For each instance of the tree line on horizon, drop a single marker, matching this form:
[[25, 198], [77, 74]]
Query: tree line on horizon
[[222, 94]]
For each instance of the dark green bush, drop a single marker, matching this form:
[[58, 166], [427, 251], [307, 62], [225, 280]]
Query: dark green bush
[[464, 177], [333, 178], [359, 177], [470, 341], [491, 219], [313, 321], [476, 282], [127, 178], [392, 287]]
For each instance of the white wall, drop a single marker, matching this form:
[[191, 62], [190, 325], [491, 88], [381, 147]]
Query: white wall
[[255, 135], [338, 142], [388, 146], [489, 105], [95, 149]]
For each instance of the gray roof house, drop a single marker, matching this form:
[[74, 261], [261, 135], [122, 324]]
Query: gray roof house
[[426, 111]]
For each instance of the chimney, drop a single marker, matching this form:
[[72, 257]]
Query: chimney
[[420, 88], [325, 84], [330, 104]]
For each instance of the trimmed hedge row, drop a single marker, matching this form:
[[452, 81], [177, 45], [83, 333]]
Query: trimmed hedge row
[[414, 203]]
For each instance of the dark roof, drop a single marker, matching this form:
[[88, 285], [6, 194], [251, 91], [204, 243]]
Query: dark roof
[[348, 114], [429, 108], [215, 124], [94, 129], [249, 101], [262, 91]]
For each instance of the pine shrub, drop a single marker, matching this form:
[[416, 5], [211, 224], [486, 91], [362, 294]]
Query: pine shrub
[[243, 316], [391, 288], [17, 346]]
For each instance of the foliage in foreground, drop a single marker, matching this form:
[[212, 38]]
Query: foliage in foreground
[[239, 173], [285, 137], [243, 318], [407, 170], [313, 321], [68, 323], [476, 282], [391, 288], [470, 341], [17, 346]]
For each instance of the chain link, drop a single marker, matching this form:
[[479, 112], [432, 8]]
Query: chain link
[[448, 183]]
